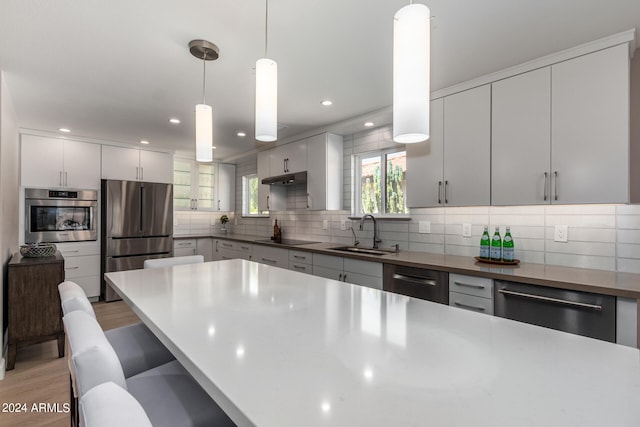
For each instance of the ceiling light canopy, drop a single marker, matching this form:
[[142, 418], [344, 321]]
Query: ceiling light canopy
[[266, 92], [327, 102], [174, 121], [65, 130], [411, 64], [207, 51], [144, 141]]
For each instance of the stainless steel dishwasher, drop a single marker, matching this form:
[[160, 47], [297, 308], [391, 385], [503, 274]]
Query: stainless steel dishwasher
[[581, 313], [431, 285]]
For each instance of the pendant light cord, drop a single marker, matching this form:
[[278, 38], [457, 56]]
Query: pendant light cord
[[266, 25], [204, 74]]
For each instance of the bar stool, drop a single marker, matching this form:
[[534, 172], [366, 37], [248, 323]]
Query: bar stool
[[108, 405]]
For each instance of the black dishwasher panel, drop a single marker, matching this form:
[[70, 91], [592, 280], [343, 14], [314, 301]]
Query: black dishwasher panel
[[581, 313], [431, 285]]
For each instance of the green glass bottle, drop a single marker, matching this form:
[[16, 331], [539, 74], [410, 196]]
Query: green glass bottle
[[485, 243], [496, 246], [507, 246]]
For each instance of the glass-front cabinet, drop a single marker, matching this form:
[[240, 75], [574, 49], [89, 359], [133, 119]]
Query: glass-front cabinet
[[198, 186]]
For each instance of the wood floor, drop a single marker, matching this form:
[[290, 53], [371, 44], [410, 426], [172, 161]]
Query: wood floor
[[41, 377]]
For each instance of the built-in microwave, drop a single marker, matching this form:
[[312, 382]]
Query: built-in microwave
[[60, 215]]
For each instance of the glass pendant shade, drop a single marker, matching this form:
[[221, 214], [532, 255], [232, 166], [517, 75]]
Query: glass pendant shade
[[266, 100], [411, 63], [204, 133]]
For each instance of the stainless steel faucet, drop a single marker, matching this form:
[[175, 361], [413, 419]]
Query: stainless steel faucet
[[356, 242], [376, 239]]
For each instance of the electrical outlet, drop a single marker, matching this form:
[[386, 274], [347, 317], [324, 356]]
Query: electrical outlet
[[325, 224], [343, 225], [466, 230], [561, 234], [424, 227]]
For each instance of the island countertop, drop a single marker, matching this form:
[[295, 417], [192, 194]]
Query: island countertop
[[580, 279], [280, 348]]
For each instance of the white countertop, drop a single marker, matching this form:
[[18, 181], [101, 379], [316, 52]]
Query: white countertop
[[279, 348]]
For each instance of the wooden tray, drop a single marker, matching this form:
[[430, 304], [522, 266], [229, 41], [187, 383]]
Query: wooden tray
[[490, 261]]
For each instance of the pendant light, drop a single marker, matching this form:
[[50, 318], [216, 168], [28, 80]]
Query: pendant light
[[207, 51], [411, 63], [266, 92]]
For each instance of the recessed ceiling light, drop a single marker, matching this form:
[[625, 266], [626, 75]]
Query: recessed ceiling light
[[174, 120], [369, 124], [241, 134], [326, 102], [144, 141], [65, 130]]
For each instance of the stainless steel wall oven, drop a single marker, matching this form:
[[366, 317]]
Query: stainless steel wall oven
[[60, 215]]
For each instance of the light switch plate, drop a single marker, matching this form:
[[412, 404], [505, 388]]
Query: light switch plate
[[325, 224], [343, 225], [466, 229], [561, 233], [424, 227]]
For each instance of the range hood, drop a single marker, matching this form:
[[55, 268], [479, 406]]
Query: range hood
[[287, 179]]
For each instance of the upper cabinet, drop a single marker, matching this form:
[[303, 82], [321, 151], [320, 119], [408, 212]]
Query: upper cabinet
[[590, 128], [203, 186], [324, 172], [288, 158], [131, 164], [521, 139], [269, 198], [560, 134], [52, 162]]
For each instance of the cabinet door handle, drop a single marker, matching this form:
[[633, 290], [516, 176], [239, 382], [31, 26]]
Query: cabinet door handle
[[545, 186], [340, 277], [551, 300], [216, 246], [137, 172], [439, 192], [141, 173], [267, 202], [60, 178], [468, 285], [344, 277], [555, 186], [308, 204], [446, 185], [272, 261], [218, 204], [65, 179], [414, 279], [472, 307]]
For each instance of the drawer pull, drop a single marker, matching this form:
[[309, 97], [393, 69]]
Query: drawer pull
[[244, 247], [72, 268], [184, 244], [550, 299], [414, 279], [468, 285], [300, 257], [272, 261], [299, 267], [71, 252], [472, 307], [228, 245]]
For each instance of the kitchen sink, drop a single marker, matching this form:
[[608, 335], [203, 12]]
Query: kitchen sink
[[367, 251]]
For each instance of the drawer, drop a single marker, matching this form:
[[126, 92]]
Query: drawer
[[271, 256], [363, 280], [368, 268], [78, 249], [300, 257], [81, 266], [184, 251], [471, 285], [328, 261], [328, 273], [301, 267], [184, 243], [471, 303], [90, 285]]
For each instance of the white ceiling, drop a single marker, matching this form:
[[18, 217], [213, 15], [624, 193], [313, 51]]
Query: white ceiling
[[118, 69]]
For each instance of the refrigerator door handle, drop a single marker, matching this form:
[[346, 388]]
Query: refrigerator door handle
[[142, 208]]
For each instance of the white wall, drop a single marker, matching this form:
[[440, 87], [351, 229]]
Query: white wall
[[9, 158]]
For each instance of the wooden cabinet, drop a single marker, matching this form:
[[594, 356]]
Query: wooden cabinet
[[131, 164], [590, 128], [521, 139], [453, 167], [324, 172], [52, 162], [33, 303]]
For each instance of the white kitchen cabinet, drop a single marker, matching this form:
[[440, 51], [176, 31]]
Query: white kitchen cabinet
[[231, 249], [277, 257], [328, 266], [204, 247], [521, 139], [184, 247], [590, 128], [288, 158], [82, 265], [53, 162], [349, 270], [132, 164], [269, 197], [324, 172], [471, 293], [425, 163], [226, 188], [467, 148], [301, 261]]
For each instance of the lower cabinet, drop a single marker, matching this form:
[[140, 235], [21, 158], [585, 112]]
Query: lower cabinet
[[471, 293], [82, 265], [184, 247], [278, 257], [349, 270], [231, 249], [301, 261], [204, 247]]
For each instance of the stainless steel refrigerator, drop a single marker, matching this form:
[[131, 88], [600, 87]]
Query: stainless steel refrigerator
[[137, 224]]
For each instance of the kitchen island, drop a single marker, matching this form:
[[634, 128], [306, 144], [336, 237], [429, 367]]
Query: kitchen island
[[279, 348]]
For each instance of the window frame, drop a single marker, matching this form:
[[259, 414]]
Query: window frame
[[357, 183], [246, 194]]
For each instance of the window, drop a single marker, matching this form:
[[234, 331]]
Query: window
[[381, 183], [250, 195]]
